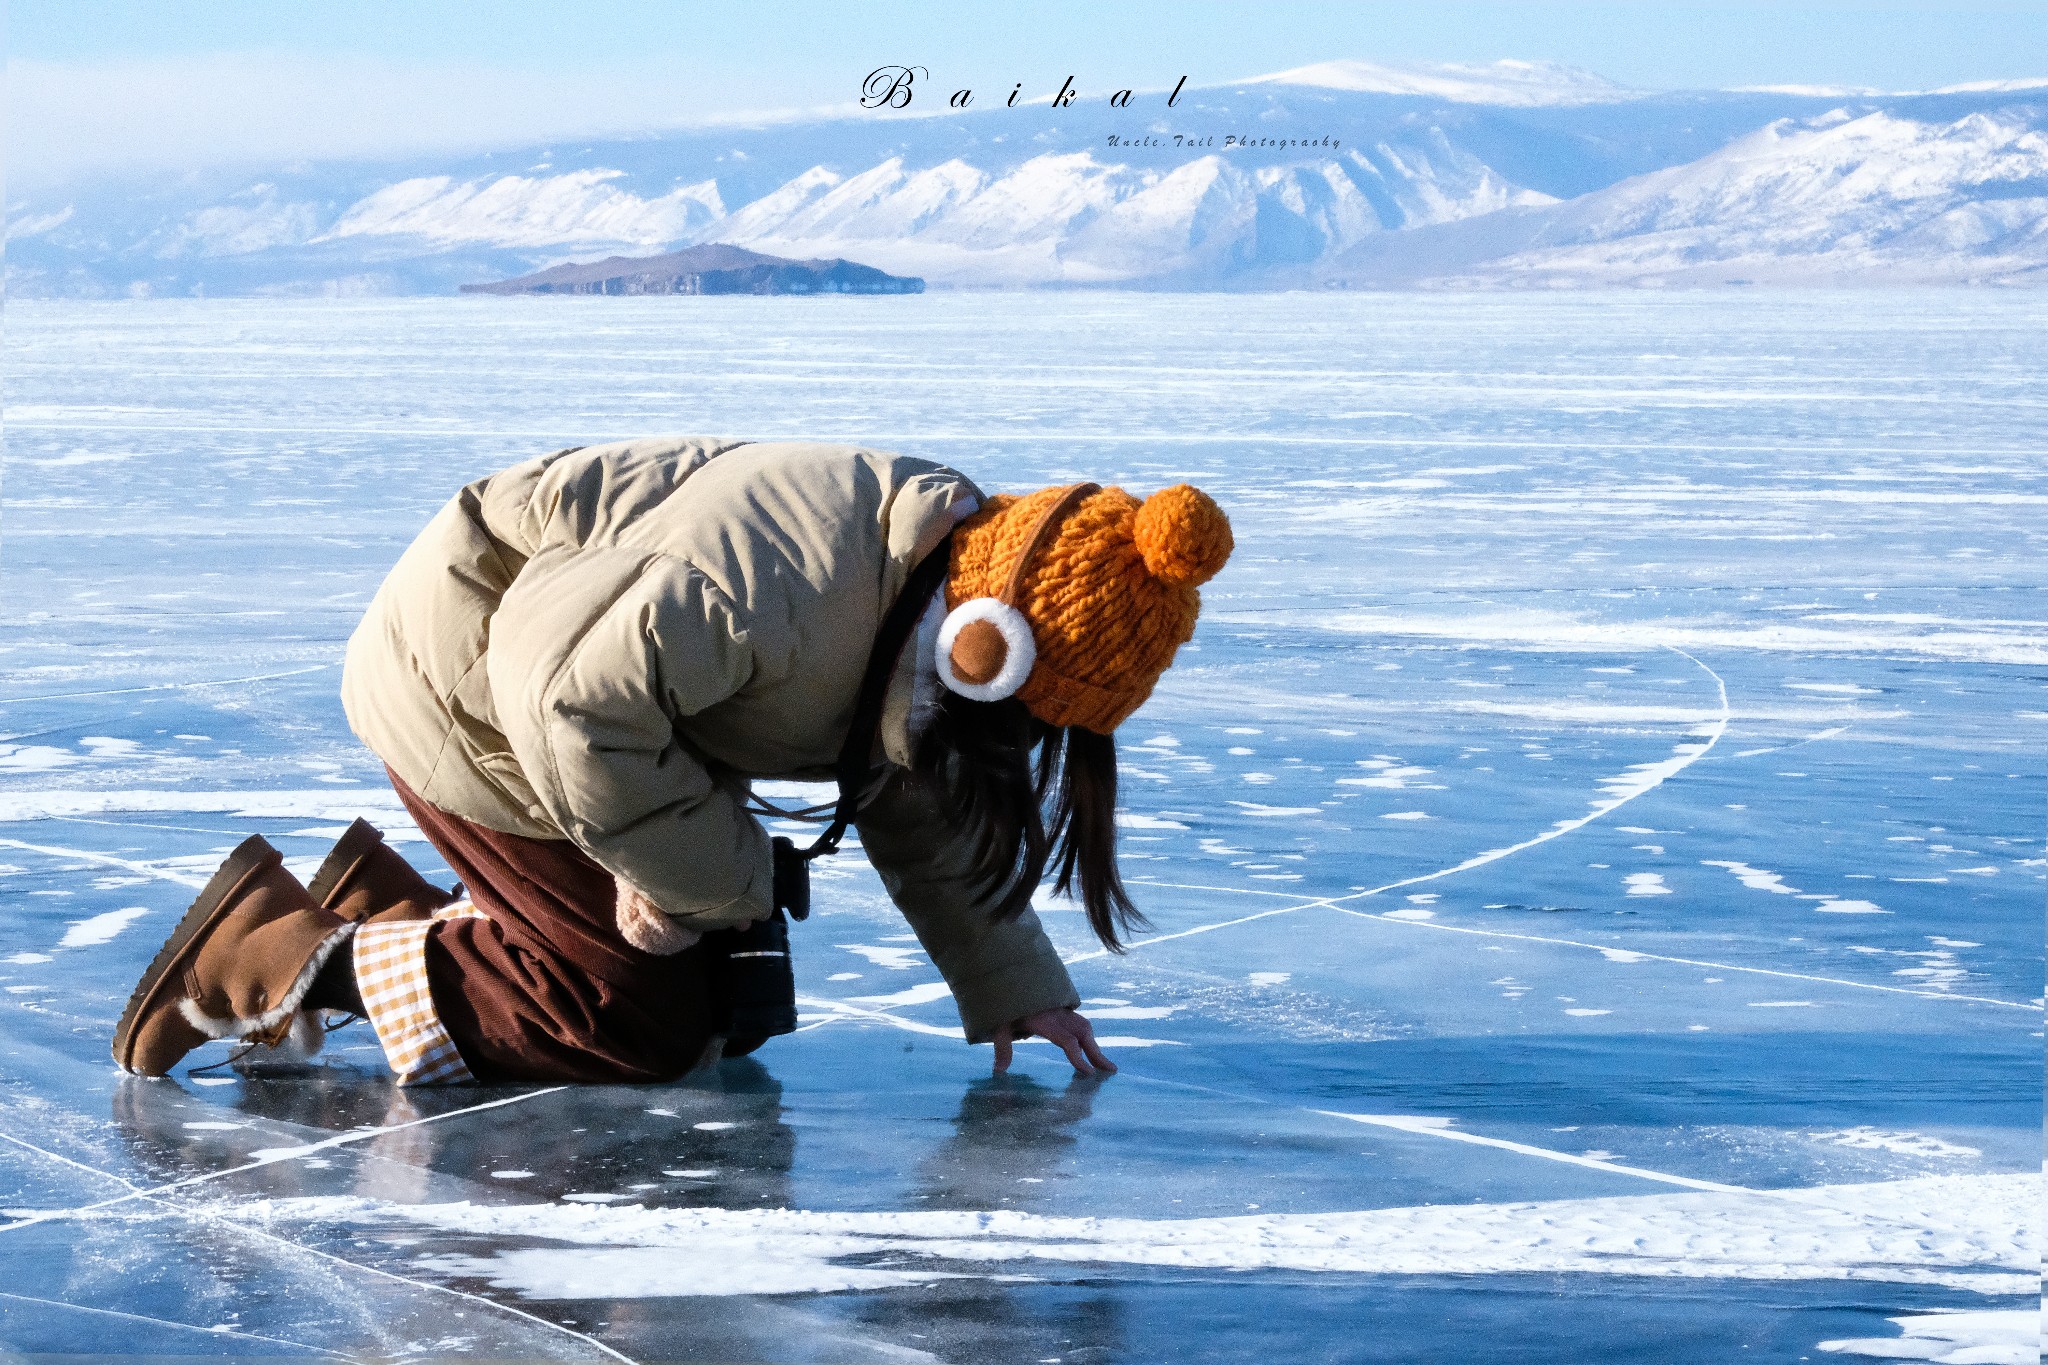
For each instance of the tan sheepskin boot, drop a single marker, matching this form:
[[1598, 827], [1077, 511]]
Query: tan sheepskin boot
[[365, 879], [237, 966]]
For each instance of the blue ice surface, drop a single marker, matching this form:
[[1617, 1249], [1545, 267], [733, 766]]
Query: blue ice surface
[[1768, 566]]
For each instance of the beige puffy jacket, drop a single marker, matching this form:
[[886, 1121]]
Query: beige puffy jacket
[[608, 644]]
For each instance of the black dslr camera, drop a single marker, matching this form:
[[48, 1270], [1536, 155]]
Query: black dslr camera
[[753, 989]]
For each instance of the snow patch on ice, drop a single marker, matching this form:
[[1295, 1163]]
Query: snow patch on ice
[[1132, 820], [1906, 1144], [895, 959], [34, 758], [1966, 1232], [2006, 1336], [1756, 879], [1392, 776], [87, 933], [1638, 778], [1556, 631], [328, 805], [916, 995], [1253, 808]]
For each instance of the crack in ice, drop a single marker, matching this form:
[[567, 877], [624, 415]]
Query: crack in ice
[[1620, 789], [155, 1196]]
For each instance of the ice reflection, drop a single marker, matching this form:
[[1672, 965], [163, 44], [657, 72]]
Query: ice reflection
[[717, 1141], [1013, 1139], [1011, 1136]]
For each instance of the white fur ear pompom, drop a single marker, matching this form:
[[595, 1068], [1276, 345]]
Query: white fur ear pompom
[[985, 650]]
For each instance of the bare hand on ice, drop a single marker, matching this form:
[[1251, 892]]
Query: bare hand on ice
[[1065, 1028]]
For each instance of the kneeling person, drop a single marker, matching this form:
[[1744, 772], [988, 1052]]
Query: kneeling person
[[576, 672]]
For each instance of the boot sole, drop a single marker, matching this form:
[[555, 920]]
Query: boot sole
[[358, 842], [251, 856]]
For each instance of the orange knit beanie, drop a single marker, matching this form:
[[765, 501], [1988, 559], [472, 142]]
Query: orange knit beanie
[[1075, 600]]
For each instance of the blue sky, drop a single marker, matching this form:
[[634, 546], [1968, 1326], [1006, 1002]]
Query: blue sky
[[97, 82], [802, 46]]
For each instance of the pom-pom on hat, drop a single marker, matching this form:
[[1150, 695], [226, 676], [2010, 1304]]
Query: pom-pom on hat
[[1074, 600]]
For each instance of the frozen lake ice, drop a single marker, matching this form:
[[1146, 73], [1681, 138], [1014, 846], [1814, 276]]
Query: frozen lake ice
[[1594, 846]]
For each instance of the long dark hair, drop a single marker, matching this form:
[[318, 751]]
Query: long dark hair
[[1030, 794]]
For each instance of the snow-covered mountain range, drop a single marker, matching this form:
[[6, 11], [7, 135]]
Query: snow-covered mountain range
[[1342, 174]]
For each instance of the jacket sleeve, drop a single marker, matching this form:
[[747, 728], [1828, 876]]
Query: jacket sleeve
[[594, 657], [998, 971]]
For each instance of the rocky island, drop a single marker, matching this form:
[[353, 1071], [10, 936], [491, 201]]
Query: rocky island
[[712, 268]]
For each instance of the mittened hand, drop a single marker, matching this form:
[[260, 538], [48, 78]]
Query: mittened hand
[[642, 924]]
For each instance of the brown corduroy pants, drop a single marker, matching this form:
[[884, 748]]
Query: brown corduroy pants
[[543, 987]]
